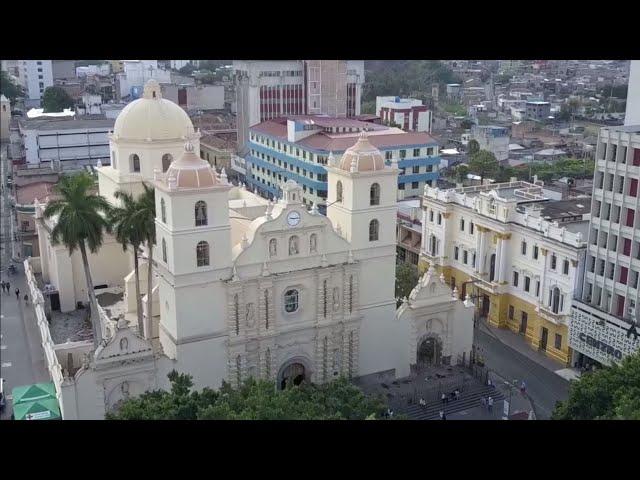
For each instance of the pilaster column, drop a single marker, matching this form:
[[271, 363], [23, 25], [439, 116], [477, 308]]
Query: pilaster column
[[544, 252], [502, 261], [445, 242], [496, 266], [478, 267]]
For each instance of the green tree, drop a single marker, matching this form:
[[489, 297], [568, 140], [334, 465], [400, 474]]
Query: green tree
[[56, 99], [8, 88], [483, 164], [147, 212], [82, 221], [253, 400], [473, 147], [128, 225], [406, 278], [188, 69], [610, 393], [461, 172], [466, 124]]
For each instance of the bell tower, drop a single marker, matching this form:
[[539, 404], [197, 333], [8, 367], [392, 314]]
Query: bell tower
[[193, 261]]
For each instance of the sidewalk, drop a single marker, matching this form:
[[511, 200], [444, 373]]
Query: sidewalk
[[519, 344]]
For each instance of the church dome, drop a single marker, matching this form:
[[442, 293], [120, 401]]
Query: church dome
[[362, 157], [153, 118], [190, 171]]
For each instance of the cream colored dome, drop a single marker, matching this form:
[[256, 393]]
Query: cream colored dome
[[152, 117], [362, 157], [190, 171]]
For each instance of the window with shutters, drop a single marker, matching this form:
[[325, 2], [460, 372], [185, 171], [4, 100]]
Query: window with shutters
[[201, 213]]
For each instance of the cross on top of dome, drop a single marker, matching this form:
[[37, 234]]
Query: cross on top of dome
[[152, 90]]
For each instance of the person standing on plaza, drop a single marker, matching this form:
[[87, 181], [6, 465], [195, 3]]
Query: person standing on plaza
[[523, 387], [444, 398], [490, 403], [483, 401], [8, 288], [4, 285], [17, 294]]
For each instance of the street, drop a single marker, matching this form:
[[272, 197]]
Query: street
[[21, 356], [544, 387]]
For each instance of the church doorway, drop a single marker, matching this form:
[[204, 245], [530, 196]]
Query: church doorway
[[430, 351], [293, 374]]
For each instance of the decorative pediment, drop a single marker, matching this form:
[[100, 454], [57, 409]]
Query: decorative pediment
[[430, 289], [124, 345]]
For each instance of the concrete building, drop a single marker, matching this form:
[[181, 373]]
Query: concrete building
[[300, 147], [605, 313], [493, 139], [409, 113], [519, 254], [270, 89], [192, 97], [632, 114], [65, 143], [217, 150], [63, 69], [135, 74], [5, 118], [38, 75], [409, 231], [454, 91], [178, 64], [291, 295], [537, 110]]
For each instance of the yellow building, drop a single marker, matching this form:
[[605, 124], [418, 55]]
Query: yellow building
[[517, 253]]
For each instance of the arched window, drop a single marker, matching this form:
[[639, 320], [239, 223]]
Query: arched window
[[266, 309], [324, 297], [313, 243], [556, 300], [113, 160], [294, 248], [273, 247], [164, 251], [135, 162], [201, 213], [339, 191], [291, 301], [202, 254], [163, 211], [374, 194], [350, 293], [166, 161], [374, 227]]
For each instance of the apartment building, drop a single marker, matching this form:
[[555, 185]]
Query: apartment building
[[409, 231], [605, 315], [298, 148], [409, 113], [518, 254], [38, 75], [493, 139], [267, 89]]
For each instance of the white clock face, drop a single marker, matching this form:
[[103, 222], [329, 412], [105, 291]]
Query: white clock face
[[293, 218]]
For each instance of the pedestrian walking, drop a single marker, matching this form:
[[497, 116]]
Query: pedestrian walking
[[4, 285], [483, 402], [26, 299], [17, 294], [8, 288], [523, 387], [441, 415], [444, 398], [457, 394], [422, 402], [490, 403]]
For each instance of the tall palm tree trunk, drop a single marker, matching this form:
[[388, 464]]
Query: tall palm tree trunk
[[138, 298], [149, 288], [93, 301]]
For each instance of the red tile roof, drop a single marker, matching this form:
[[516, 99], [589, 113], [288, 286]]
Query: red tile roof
[[338, 142], [26, 194]]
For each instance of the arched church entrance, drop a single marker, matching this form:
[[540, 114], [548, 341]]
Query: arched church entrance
[[430, 351], [292, 374]]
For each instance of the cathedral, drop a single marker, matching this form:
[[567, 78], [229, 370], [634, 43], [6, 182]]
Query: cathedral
[[243, 287]]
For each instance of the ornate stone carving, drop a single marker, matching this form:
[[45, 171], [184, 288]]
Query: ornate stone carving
[[250, 316]]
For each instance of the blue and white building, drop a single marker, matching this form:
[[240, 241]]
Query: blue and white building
[[298, 148]]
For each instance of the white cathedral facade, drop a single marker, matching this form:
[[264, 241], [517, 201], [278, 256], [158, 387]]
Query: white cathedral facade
[[243, 287]]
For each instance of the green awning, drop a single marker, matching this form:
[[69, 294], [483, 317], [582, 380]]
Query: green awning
[[32, 393], [47, 409]]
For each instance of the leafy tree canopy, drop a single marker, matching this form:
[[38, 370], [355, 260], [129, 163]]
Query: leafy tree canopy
[[611, 393], [483, 164], [56, 99], [382, 77], [254, 400], [8, 88], [473, 147], [406, 278]]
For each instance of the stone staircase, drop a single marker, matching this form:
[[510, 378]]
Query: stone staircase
[[468, 399]]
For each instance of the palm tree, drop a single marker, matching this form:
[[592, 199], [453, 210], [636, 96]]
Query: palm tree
[[128, 226], [147, 206], [81, 222]]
